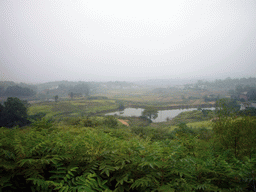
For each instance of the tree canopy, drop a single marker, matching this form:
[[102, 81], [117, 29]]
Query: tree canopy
[[13, 113], [226, 107], [15, 91], [150, 112]]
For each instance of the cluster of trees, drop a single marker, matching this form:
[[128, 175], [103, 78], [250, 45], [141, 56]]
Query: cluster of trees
[[83, 89], [247, 91], [209, 98], [16, 91], [63, 90], [150, 113], [226, 84]]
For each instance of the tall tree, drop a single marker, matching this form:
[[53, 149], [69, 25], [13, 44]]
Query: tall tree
[[150, 112], [71, 95], [56, 98], [226, 107], [13, 113]]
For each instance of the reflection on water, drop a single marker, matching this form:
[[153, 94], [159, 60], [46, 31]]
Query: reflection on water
[[162, 114]]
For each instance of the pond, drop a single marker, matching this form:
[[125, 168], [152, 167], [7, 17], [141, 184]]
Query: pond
[[162, 114]]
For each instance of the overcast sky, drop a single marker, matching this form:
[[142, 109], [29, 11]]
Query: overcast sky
[[80, 40]]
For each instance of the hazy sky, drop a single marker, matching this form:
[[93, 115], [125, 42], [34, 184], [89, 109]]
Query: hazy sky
[[126, 40]]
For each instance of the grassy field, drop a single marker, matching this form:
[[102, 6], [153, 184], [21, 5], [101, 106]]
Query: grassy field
[[73, 108], [149, 97], [200, 124], [92, 107]]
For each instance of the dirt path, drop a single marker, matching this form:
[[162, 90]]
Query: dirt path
[[123, 122]]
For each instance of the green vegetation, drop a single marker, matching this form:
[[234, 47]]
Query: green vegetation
[[14, 91], [68, 146], [239, 85], [96, 154], [193, 116], [11, 89], [13, 113], [75, 107], [150, 113]]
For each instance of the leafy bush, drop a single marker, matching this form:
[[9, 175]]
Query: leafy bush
[[92, 122], [203, 133], [237, 135], [226, 107], [37, 116], [251, 111], [183, 130], [72, 121], [44, 123], [111, 121]]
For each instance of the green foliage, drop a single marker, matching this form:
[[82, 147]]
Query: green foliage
[[183, 129], [37, 116], [44, 123], [192, 116], [251, 111], [81, 88], [110, 121], [47, 156], [13, 113], [92, 121], [74, 107], [226, 107], [16, 91], [120, 105], [155, 134], [237, 134], [96, 97], [150, 113], [56, 98]]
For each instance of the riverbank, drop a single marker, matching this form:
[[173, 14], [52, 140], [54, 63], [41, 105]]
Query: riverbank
[[176, 106]]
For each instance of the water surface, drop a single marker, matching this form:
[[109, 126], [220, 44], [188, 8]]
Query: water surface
[[162, 114]]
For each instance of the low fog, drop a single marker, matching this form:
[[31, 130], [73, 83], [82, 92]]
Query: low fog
[[132, 40]]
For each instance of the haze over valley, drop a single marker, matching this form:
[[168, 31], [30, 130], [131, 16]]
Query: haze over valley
[[131, 96]]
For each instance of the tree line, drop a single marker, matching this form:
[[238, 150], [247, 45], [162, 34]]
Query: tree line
[[16, 91], [226, 84]]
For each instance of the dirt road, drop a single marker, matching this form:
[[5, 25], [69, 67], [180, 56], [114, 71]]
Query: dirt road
[[124, 122]]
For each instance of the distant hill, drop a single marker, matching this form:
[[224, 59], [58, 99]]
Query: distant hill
[[164, 83]]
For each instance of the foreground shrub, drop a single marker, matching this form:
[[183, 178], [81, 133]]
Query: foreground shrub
[[237, 135], [155, 134], [110, 121], [85, 159]]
